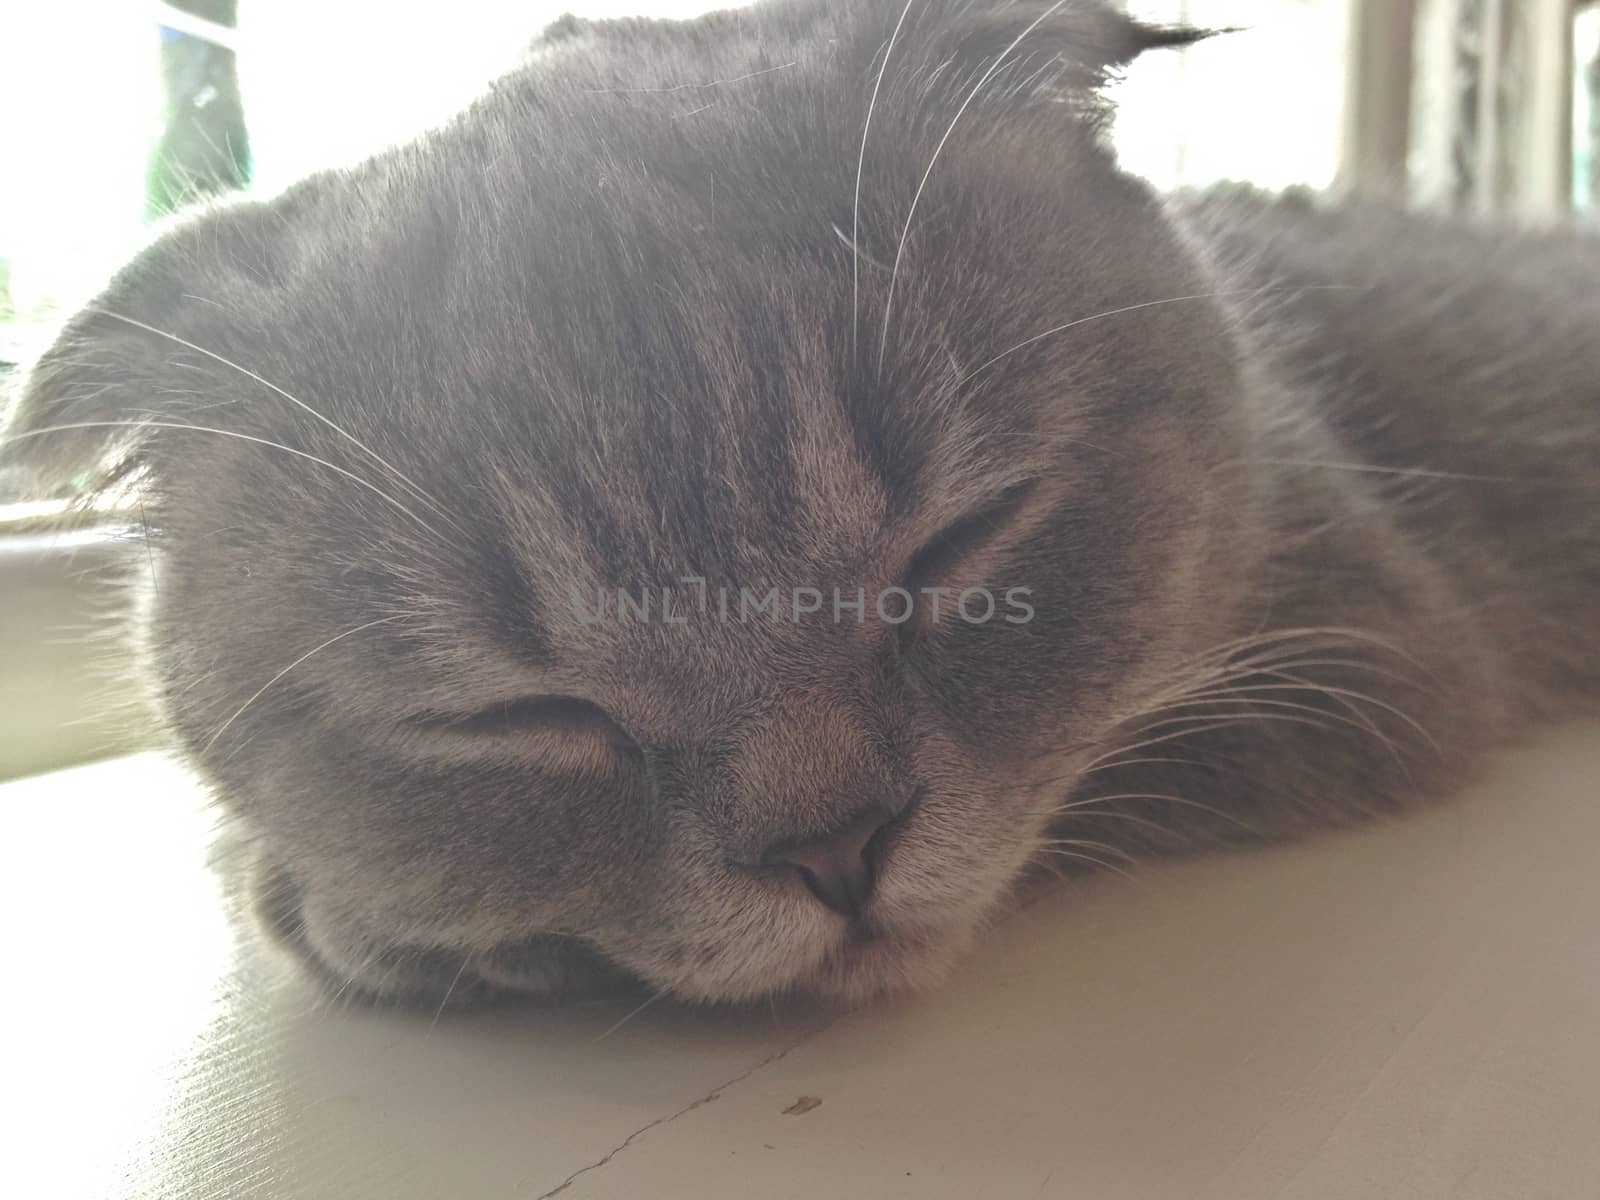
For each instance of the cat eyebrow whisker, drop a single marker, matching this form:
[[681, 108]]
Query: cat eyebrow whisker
[[315, 650], [1117, 312], [854, 240], [905, 232], [243, 437], [393, 470], [1411, 472]]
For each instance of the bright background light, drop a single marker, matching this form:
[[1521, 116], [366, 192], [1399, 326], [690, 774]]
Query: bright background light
[[1263, 104], [326, 84], [80, 107]]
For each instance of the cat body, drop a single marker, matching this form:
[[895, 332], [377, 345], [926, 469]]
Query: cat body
[[526, 501]]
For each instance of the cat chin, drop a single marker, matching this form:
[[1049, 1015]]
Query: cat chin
[[890, 963], [544, 968], [830, 962], [849, 966], [863, 967]]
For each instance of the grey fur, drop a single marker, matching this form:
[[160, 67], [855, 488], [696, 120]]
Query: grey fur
[[1302, 546]]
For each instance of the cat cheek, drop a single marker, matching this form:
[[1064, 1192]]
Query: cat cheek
[[345, 964]]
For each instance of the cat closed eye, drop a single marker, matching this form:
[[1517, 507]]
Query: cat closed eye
[[965, 537], [559, 715], [938, 563]]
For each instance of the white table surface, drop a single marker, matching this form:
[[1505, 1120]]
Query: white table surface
[[1406, 1011]]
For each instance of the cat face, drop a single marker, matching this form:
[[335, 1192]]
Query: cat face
[[635, 533]]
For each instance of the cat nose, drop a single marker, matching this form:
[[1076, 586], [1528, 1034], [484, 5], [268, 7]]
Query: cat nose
[[838, 867]]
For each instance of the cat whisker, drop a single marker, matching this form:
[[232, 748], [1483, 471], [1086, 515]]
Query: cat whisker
[[1132, 819], [1242, 694], [1098, 864], [653, 999], [1165, 797], [243, 437], [1343, 635], [861, 164], [1406, 472], [1074, 775], [334, 1001], [1034, 441], [1351, 664], [377, 996], [394, 471], [1277, 635], [916, 199], [1305, 714], [1223, 665], [856, 251], [1223, 685], [1222, 688], [1348, 698], [1150, 761], [1103, 847], [1194, 725], [448, 992], [688, 87], [223, 728], [1117, 312], [149, 554]]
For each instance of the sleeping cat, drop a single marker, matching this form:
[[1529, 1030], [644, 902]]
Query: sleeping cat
[[554, 515]]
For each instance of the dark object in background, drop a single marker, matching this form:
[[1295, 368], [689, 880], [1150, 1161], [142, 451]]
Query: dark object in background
[[204, 149]]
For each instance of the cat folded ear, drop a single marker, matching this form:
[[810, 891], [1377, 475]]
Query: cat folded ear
[[89, 411], [1089, 38], [1057, 45], [83, 408]]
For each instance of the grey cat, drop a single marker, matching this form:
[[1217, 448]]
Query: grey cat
[[453, 462]]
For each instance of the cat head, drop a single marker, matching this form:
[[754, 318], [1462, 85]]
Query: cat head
[[685, 520]]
